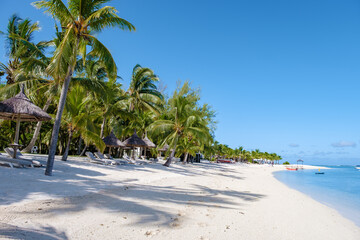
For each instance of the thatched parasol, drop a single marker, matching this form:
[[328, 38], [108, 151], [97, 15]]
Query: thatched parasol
[[134, 141], [164, 148], [149, 144], [20, 108], [112, 141]]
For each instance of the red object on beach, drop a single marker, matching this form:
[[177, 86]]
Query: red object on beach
[[291, 169], [224, 161]]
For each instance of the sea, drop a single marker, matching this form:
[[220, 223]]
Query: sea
[[338, 187]]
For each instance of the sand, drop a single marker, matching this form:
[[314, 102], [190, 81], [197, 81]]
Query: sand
[[201, 201]]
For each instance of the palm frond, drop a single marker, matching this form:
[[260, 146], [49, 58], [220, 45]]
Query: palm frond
[[106, 17], [57, 9], [104, 55]]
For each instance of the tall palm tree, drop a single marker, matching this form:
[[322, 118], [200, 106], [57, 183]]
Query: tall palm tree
[[143, 93], [79, 117], [80, 20], [188, 145], [182, 121], [18, 31]]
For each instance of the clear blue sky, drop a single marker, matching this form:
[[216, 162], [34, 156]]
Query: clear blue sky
[[283, 76]]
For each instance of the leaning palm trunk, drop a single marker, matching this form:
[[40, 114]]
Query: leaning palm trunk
[[83, 151], [56, 128], [37, 130], [185, 158], [66, 153], [168, 161], [102, 127], [79, 146]]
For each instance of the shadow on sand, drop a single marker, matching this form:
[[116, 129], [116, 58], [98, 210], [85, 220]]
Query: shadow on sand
[[144, 201], [45, 233]]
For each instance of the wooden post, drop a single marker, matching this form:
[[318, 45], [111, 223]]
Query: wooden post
[[17, 130]]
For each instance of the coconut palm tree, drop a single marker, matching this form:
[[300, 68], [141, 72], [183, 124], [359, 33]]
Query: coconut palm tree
[[188, 145], [143, 93], [78, 117], [181, 121], [18, 31], [80, 20]]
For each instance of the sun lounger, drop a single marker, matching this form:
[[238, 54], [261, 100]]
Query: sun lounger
[[4, 162], [119, 160], [175, 160], [101, 156], [92, 158], [136, 162], [16, 162], [20, 156], [153, 159]]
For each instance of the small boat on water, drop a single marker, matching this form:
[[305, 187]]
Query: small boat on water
[[357, 167], [319, 172], [225, 161], [291, 169]]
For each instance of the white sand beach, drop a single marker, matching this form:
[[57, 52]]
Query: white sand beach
[[201, 201]]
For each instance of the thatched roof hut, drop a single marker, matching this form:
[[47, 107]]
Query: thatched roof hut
[[113, 141], [164, 148], [149, 143], [134, 141], [21, 107]]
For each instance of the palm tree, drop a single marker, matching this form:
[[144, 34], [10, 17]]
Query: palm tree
[[143, 93], [188, 145], [18, 31], [112, 102], [79, 22], [79, 117], [182, 121]]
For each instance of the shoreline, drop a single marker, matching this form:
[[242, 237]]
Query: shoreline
[[347, 209], [200, 201]]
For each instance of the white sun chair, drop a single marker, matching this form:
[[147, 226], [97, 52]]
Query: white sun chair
[[92, 158], [101, 156], [20, 156], [119, 160], [13, 162]]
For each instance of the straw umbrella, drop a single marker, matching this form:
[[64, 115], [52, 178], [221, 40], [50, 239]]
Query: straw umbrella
[[112, 141], [20, 108], [134, 141], [164, 148], [149, 144]]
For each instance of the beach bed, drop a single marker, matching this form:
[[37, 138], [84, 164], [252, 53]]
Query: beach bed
[[14, 162], [20, 156], [93, 159]]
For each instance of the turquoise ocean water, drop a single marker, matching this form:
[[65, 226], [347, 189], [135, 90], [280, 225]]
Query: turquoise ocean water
[[338, 188]]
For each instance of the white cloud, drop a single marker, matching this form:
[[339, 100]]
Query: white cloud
[[293, 145], [342, 144]]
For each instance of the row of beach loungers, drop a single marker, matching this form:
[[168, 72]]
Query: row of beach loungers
[[19, 161], [107, 159], [97, 157]]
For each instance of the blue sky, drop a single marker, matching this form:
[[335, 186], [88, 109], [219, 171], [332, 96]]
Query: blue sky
[[283, 76]]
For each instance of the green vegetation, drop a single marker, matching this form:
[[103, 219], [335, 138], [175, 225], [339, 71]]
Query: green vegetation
[[74, 78]]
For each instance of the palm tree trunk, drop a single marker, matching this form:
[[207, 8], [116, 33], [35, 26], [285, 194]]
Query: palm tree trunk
[[37, 130], [79, 146], [56, 128], [66, 153], [102, 128], [83, 151], [168, 161], [185, 158]]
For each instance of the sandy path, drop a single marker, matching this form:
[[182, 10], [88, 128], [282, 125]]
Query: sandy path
[[208, 201]]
